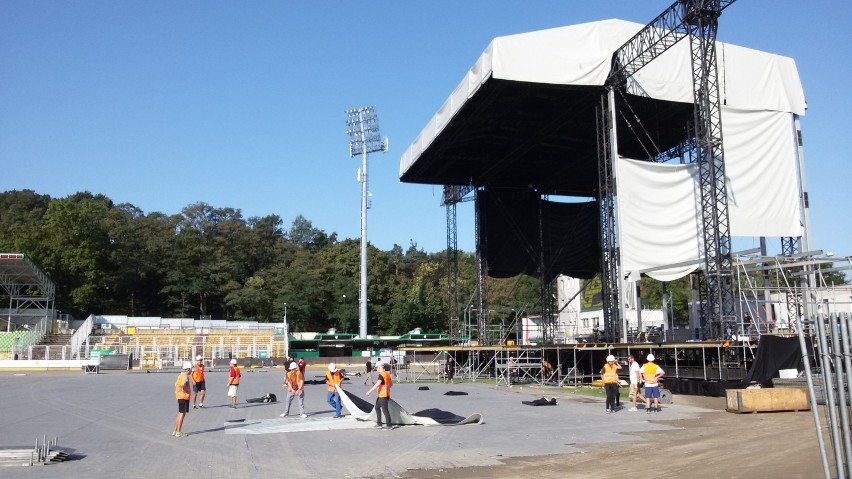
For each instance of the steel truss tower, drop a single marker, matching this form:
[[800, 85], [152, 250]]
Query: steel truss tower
[[451, 197], [610, 267], [698, 20], [481, 270]]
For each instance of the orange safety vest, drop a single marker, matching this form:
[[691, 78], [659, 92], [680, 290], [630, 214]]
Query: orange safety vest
[[650, 373], [610, 374], [294, 377], [330, 380], [236, 378], [198, 373], [182, 387], [384, 387]]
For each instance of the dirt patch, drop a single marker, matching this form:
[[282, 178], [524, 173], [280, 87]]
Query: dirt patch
[[715, 444]]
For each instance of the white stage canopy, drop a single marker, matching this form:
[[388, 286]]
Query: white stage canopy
[[581, 55], [658, 207]]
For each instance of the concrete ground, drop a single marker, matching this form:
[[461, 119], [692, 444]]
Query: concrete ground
[[119, 424]]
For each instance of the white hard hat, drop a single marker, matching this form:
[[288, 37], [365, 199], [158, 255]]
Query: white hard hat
[[650, 357], [233, 361], [380, 364], [332, 367], [610, 358], [198, 358], [293, 366], [187, 365]]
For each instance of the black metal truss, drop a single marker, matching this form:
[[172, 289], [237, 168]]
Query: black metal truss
[[481, 270], [548, 318], [682, 152], [452, 271], [702, 22], [697, 20], [658, 36], [453, 194], [610, 283], [792, 246]]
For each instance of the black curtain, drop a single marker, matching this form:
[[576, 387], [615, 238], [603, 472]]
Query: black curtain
[[509, 219]]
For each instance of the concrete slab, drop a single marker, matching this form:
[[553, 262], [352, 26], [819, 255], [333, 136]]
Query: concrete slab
[[120, 424]]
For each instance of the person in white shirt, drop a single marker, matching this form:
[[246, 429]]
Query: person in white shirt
[[635, 379]]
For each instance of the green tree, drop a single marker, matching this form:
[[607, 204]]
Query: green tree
[[302, 233], [650, 290], [21, 216], [75, 250], [138, 244]]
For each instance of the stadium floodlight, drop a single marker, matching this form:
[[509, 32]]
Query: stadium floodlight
[[364, 138]]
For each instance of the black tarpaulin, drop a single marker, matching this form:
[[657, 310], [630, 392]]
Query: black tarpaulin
[[364, 411], [773, 354]]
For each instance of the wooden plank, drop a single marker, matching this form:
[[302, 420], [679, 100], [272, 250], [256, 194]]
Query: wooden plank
[[766, 400]]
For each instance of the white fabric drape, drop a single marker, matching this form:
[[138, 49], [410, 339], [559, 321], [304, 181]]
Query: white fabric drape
[[761, 173], [658, 204], [659, 217]]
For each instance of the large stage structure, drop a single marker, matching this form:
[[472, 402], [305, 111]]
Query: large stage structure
[[679, 145]]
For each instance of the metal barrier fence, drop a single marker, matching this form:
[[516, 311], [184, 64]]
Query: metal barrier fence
[[833, 350], [155, 357]]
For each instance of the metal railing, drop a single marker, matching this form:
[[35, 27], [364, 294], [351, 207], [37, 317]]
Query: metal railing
[[81, 336]]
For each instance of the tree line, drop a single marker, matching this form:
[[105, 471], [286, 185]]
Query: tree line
[[108, 258]]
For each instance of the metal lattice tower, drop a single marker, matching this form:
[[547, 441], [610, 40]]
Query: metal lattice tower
[[610, 283], [549, 311], [452, 196], [481, 270], [452, 269], [702, 21], [697, 20], [789, 247]]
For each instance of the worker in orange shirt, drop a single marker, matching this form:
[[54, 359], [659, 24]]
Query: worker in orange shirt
[[182, 396], [383, 385], [233, 383], [295, 384], [609, 376], [198, 385], [333, 378]]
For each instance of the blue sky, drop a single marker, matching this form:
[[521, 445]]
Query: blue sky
[[241, 104]]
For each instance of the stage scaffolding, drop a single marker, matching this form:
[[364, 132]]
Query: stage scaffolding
[[774, 293], [577, 364]]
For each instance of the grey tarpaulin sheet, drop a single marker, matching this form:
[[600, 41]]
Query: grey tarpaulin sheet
[[364, 411]]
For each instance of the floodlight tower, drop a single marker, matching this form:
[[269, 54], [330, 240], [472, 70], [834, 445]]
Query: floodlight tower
[[364, 138]]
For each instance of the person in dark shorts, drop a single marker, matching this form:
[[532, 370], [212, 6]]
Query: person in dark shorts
[[198, 385], [652, 373], [449, 370], [182, 396]]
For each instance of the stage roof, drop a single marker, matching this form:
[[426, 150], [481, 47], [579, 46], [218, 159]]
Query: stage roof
[[524, 115]]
